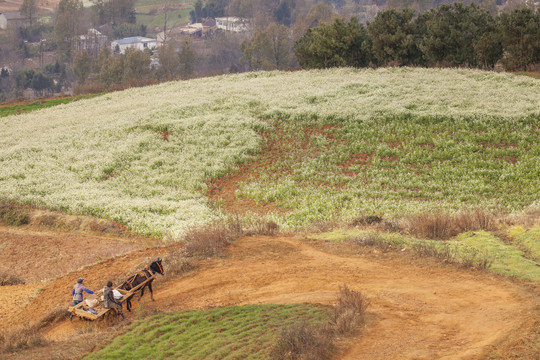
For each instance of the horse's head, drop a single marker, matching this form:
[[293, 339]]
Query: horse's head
[[156, 267]]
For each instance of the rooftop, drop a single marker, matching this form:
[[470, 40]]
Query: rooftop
[[12, 15], [134, 40]]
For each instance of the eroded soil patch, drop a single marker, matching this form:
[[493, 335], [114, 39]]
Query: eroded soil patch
[[281, 153]]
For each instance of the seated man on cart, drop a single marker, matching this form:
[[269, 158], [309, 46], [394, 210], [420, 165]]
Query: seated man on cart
[[109, 302]]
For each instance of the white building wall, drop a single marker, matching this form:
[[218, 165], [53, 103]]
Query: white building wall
[[139, 45], [3, 22]]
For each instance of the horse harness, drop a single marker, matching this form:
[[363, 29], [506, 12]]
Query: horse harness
[[129, 282]]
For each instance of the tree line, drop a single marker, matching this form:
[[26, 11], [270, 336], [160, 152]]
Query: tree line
[[450, 35], [285, 34]]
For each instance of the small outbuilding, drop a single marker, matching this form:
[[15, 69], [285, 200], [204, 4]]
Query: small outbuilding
[[135, 42], [10, 19], [231, 23]]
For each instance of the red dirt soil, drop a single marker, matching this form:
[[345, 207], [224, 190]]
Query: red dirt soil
[[416, 312], [53, 254], [277, 148], [419, 309], [224, 189]]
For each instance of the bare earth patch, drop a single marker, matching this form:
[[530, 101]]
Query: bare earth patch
[[37, 256], [224, 189], [15, 297]]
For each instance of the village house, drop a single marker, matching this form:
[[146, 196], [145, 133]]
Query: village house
[[191, 30], [136, 42], [231, 23], [196, 30], [92, 42], [10, 19]]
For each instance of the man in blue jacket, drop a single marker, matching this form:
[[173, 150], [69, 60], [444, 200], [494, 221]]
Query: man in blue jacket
[[77, 291]]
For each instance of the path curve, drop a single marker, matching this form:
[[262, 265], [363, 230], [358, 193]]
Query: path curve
[[416, 312]]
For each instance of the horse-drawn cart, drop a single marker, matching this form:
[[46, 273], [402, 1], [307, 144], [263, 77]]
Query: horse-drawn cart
[[83, 310]]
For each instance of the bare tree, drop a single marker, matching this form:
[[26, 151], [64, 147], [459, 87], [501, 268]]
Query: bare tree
[[187, 57], [29, 10], [67, 25]]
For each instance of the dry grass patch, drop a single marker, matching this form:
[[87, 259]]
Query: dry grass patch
[[9, 279], [349, 311], [440, 225], [20, 338], [262, 226], [30, 335], [210, 240], [53, 315], [366, 220], [305, 341], [178, 263], [446, 253], [371, 239], [13, 215]]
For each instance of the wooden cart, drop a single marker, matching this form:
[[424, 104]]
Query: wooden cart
[[82, 310]]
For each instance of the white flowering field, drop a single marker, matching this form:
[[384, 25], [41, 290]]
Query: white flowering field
[[387, 141]]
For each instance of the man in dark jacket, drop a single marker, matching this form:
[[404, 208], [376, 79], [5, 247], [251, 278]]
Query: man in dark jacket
[[109, 302]]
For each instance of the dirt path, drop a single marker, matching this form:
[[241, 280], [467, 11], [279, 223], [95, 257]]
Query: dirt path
[[418, 310]]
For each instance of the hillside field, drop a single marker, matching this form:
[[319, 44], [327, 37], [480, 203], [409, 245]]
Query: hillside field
[[343, 143], [264, 194]]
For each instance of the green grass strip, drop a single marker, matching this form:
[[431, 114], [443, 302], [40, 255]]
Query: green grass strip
[[527, 238], [234, 332], [507, 259], [39, 104]]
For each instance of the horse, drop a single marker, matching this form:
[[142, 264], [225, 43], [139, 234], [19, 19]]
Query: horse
[[133, 281]]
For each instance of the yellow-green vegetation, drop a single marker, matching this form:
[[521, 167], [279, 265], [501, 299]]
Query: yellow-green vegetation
[[527, 238], [504, 259], [153, 13], [235, 332]]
